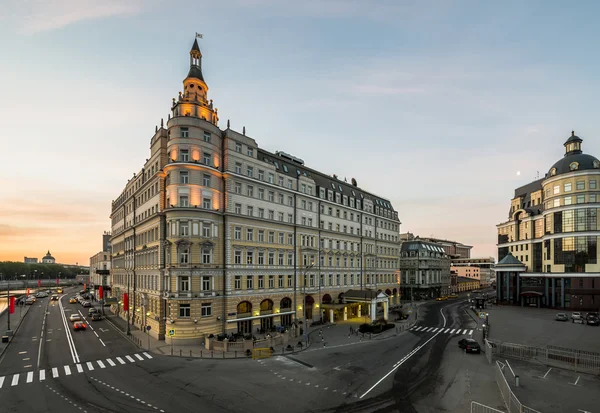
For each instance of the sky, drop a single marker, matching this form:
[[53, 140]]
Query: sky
[[442, 107]]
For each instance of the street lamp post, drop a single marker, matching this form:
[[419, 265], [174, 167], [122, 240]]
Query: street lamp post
[[8, 331], [128, 306], [312, 264]]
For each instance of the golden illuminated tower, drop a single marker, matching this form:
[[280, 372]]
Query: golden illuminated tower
[[194, 99]]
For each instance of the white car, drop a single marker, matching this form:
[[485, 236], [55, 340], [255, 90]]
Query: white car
[[75, 317], [576, 317]]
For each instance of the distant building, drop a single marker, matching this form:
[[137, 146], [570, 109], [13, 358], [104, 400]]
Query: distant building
[[48, 259], [100, 265], [424, 269], [481, 269], [28, 260], [467, 284], [453, 249]]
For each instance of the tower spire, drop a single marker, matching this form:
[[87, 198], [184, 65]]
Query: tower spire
[[196, 62]]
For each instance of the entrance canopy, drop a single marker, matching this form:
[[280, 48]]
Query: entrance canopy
[[365, 296]]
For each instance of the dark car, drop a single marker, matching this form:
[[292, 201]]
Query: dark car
[[469, 345], [562, 317], [592, 319], [92, 311], [96, 316]]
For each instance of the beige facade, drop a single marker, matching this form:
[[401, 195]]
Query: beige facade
[[553, 230], [216, 235]]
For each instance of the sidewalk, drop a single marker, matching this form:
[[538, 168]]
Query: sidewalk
[[15, 323], [328, 335]]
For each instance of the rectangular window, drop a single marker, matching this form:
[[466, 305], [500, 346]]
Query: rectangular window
[[580, 199], [261, 281], [206, 180], [238, 282], [280, 258], [238, 168], [250, 191], [280, 237], [206, 283], [250, 151], [238, 147], [280, 281], [206, 309], [261, 235], [290, 259], [568, 200], [290, 239], [184, 155], [280, 180], [185, 133], [184, 283], [261, 212], [250, 210], [271, 196], [567, 187], [184, 310], [580, 185], [237, 233], [184, 177], [207, 203], [206, 256], [249, 257], [206, 157], [249, 282], [556, 202], [271, 258], [249, 234], [271, 214], [238, 188], [250, 172], [556, 189], [261, 258], [271, 178], [206, 136], [261, 175], [592, 184], [237, 257], [238, 208], [290, 184], [271, 237], [184, 201], [271, 281], [280, 216], [280, 198], [592, 197], [261, 193], [184, 229]]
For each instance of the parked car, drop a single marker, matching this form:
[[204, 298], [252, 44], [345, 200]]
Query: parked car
[[592, 319], [576, 317], [92, 311], [86, 304], [96, 316], [469, 345], [562, 317]]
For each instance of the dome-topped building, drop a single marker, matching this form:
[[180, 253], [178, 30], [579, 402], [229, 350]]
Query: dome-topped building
[[48, 259], [574, 159], [553, 230]]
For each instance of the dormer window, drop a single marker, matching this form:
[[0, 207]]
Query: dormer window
[[552, 171], [596, 164], [574, 166]]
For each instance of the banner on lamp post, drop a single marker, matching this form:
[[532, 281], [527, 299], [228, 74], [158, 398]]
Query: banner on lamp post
[[100, 292], [28, 291], [125, 302], [11, 305], [39, 283]]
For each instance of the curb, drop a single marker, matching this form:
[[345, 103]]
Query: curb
[[14, 334]]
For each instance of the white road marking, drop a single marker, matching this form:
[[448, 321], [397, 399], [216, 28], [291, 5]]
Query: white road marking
[[102, 366], [112, 363], [120, 360], [1, 381], [547, 373], [434, 330], [408, 356], [96, 334], [130, 359], [15, 380], [445, 331], [471, 332], [90, 365], [42, 375], [67, 370], [22, 352], [148, 355], [139, 357], [452, 331], [102, 342], [54, 372], [27, 366], [29, 376], [465, 332], [79, 368]]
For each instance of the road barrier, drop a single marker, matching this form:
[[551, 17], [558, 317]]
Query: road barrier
[[566, 358], [510, 400], [482, 408], [488, 351]]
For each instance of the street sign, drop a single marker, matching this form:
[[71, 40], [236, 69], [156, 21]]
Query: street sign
[[171, 333], [482, 315], [148, 328]]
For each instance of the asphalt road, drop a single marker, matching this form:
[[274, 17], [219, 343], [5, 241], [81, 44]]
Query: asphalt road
[[49, 367]]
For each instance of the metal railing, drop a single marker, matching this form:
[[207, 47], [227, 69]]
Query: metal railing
[[571, 359], [510, 400], [482, 408]]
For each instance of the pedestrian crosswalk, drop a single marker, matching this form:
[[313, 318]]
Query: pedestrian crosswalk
[[12, 380], [442, 330]]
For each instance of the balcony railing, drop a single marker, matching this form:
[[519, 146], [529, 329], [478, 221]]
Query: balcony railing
[[244, 315]]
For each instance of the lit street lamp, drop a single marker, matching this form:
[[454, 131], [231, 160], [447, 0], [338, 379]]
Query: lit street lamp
[[312, 264]]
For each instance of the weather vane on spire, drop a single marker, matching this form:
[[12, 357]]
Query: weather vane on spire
[[199, 35]]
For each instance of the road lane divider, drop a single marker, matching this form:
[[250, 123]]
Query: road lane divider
[[406, 357], [70, 340]]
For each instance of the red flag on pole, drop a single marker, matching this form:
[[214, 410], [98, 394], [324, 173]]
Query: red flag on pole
[[85, 286], [126, 302], [57, 282], [28, 291], [100, 292], [39, 283], [11, 305]]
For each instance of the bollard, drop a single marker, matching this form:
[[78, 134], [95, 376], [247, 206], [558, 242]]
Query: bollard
[[190, 353], [180, 352], [200, 353], [517, 380]]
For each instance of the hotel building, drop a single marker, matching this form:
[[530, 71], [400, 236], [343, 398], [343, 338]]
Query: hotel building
[[217, 235], [547, 249]]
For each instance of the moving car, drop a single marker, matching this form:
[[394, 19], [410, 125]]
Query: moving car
[[576, 317], [72, 300], [562, 317], [469, 345], [30, 300], [59, 291], [453, 296], [592, 319], [96, 316], [54, 298], [92, 311], [75, 317], [441, 298], [79, 325]]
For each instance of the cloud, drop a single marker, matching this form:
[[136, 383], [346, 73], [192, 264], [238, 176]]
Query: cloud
[[35, 16]]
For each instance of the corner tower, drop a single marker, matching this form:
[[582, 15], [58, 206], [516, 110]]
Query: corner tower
[[194, 99]]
